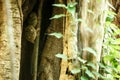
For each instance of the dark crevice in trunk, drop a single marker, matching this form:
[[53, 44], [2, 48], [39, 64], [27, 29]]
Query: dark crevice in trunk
[[27, 47], [46, 15]]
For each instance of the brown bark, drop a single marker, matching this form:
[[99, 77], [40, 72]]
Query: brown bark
[[95, 22], [50, 65], [116, 5], [10, 40], [92, 39]]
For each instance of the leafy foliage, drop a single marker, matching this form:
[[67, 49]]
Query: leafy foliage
[[111, 55], [57, 35], [110, 16], [58, 16], [70, 8], [75, 71], [60, 5], [92, 51], [62, 56], [83, 78], [110, 59], [90, 74], [82, 60]]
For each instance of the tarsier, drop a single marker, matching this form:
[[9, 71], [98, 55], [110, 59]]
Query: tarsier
[[30, 30]]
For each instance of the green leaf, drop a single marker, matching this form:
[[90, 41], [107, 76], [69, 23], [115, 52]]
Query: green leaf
[[117, 32], [62, 56], [115, 53], [90, 50], [83, 78], [80, 20], [117, 76], [82, 60], [57, 35], [71, 7], [71, 4], [110, 16], [116, 41], [75, 71], [90, 74], [108, 58], [118, 68], [109, 12], [91, 65], [98, 75], [117, 47], [58, 16], [108, 71], [84, 67], [99, 0], [102, 65], [60, 5]]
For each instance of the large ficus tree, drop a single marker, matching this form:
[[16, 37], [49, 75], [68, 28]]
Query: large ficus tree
[[66, 43]]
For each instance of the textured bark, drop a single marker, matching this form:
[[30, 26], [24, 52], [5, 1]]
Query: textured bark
[[50, 65], [92, 39], [70, 47], [95, 22], [10, 39], [116, 5], [26, 73]]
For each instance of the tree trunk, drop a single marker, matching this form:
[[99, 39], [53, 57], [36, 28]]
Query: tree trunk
[[38, 61], [10, 39], [49, 65], [91, 36]]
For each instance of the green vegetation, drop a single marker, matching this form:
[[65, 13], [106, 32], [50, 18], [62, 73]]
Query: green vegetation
[[109, 68]]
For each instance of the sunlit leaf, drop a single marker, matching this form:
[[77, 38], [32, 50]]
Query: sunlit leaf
[[117, 47], [89, 73], [109, 12], [84, 67], [117, 32], [109, 77], [116, 41], [58, 16], [108, 71], [60, 5], [110, 16], [98, 75], [115, 53], [99, 0], [75, 71], [91, 65], [83, 78], [82, 60], [117, 76], [90, 50], [80, 20], [57, 35], [72, 4], [108, 57], [62, 56], [71, 7], [102, 65]]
